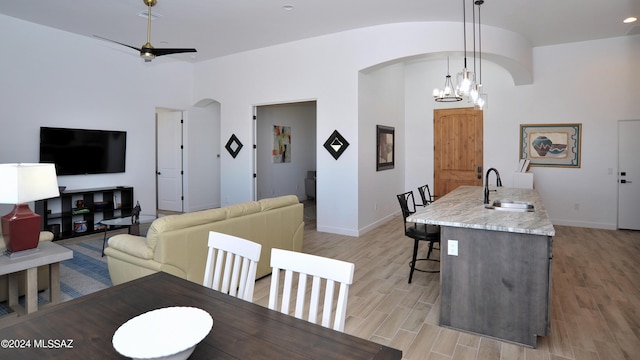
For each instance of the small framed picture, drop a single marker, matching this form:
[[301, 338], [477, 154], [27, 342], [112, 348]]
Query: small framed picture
[[385, 147]]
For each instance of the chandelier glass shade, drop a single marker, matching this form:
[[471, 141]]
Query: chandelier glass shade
[[466, 81], [465, 78], [477, 96]]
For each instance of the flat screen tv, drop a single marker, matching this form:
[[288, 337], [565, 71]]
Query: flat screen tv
[[81, 151]]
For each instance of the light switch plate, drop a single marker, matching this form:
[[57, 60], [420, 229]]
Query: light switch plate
[[452, 247]]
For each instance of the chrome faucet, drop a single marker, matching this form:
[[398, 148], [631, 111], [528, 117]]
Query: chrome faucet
[[486, 183]]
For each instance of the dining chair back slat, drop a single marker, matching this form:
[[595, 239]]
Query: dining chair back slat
[[231, 265], [321, 269]]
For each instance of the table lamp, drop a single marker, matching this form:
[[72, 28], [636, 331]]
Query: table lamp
[[20, 184]]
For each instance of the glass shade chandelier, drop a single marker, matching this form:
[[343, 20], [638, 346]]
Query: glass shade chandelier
[[449, 93], [466, 84]]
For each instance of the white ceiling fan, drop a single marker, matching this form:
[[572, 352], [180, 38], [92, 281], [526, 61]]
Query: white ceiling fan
[[147, 51]]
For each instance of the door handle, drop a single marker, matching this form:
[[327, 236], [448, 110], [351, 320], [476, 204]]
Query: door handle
[[625, 181], [159, 173]]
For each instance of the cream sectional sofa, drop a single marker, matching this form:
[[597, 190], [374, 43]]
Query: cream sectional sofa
[[43, 271], [177, 244]]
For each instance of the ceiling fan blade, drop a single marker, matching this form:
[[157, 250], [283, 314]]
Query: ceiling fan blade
[[119, 43], [167, 51], [147, 51]]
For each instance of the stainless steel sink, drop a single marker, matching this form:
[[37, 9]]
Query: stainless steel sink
[[506, 205]]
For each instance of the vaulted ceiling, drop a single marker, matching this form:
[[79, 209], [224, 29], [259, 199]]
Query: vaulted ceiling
[[222, 27]]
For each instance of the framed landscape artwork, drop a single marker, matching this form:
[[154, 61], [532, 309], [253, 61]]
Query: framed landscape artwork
[[385, 138], [555, 145]]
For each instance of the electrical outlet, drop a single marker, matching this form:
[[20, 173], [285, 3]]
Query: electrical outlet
[[452, 247]]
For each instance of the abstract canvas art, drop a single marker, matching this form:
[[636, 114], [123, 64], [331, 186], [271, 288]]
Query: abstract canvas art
[[281, 144]]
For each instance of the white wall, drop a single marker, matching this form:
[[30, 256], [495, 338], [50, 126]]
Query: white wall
[[565, 79], [76, 81], [326, 68], [54, 78], [381, 102], [587, 82], [202, 153]]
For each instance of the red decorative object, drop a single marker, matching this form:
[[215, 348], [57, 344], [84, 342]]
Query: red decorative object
[[21, 229], [21, 184]]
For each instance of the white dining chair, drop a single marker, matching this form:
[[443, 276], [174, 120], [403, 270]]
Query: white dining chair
[[331, 271], [231, 265]]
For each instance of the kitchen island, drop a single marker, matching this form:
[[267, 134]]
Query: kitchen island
[[495, 270]]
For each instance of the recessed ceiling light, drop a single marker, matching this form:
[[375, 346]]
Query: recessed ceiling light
[[630, 20], [288, 7]]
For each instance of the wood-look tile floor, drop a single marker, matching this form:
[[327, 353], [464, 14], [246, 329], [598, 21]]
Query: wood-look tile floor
[[595, 297]]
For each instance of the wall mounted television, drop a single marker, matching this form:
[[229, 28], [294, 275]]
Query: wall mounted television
[[83, 151]]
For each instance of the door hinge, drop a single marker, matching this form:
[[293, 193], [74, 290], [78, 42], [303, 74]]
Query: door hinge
[[255, 117], [255, 175], [255, 146]]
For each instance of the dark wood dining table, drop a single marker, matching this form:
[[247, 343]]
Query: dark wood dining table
[[83, 327]]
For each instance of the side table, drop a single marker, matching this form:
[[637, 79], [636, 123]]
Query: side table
[[47, 253]]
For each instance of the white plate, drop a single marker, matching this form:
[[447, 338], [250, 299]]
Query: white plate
[[167, 333]]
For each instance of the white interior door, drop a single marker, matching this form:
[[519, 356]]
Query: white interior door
[[628, 175], [169, 160]]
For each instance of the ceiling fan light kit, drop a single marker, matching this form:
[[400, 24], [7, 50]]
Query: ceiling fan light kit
[[147, 51]]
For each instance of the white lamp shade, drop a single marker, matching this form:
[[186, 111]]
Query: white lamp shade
[[22, 183]]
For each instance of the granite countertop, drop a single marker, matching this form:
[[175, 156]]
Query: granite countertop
[[463, 207]]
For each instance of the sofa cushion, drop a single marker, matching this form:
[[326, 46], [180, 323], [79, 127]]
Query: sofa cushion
[[177, 222], [242, 209], [278, 202]]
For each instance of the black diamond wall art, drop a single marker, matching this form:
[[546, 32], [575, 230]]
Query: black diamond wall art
[[233, 146], [336, 144]]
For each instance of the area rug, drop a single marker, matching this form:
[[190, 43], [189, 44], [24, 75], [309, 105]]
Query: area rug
[[86, 273]]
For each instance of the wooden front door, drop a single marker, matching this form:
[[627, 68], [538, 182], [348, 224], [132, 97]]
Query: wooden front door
[[457, 149]]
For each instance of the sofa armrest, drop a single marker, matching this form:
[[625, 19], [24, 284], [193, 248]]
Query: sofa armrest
[[132, 245]]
